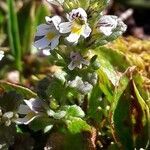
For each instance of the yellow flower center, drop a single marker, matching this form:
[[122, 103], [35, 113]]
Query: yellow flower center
[[50, 35], [76, 28]]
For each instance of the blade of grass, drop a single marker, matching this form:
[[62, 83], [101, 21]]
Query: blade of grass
[[13, 33], [27, 24]]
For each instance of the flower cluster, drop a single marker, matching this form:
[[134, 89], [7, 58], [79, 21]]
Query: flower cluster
[[73, 27], [48, 34]]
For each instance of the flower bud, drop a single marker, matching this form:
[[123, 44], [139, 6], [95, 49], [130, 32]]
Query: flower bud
[[80, 85], [108, 24], [108, 28]]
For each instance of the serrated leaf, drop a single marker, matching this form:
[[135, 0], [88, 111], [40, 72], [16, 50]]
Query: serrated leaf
[[75, 111], [77, 125]]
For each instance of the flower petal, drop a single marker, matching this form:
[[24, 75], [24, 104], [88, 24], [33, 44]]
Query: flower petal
[[65, 27], [85, 62], [1, 54], [42, 43], [86, 31], [79, 12], [82, 86], [54, 43], [71, 66], [46, 52], [73, 38], [27, 119], [34, 104], [56, 20], [106, 30], [24, 109], [42, 29]]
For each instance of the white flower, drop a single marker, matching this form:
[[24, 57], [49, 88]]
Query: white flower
[[80, 85], [1, 55], [32, 110], [47, 35], [108, 23], [56, 2], [77, 25], [77, 61]]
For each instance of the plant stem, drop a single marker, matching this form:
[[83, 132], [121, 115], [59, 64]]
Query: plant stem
[[13, 32]]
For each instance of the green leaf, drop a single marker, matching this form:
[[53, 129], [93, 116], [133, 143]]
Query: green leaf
[[42, 88], [40, 123], [56, 89], [74, 142], [130, 116], [123, 83], [25, 92], [115, 57], [59, 114], [51, 86], [106, 66], [105, 85], [77, 125], [140, 84], [13, 32], [142, 136], [75, 111], [111, 62], [122, 120], [65, 141], [94, 103]]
